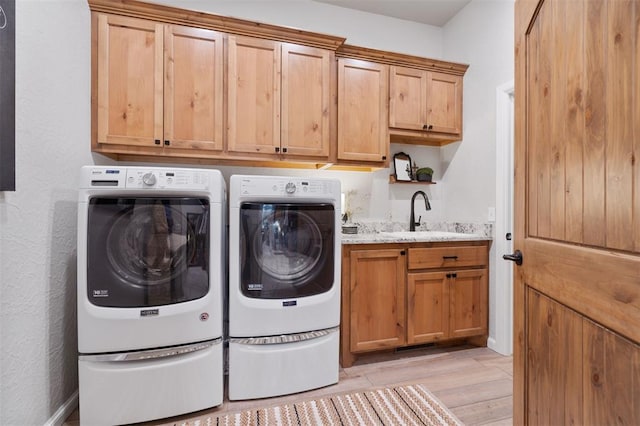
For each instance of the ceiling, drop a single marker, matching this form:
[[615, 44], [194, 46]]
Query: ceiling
[[432, 12]]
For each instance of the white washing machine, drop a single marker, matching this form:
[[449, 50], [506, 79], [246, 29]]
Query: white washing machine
[[151, 276], [284, 285]]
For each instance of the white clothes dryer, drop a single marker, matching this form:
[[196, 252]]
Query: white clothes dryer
[[151, 276], [284, 285]]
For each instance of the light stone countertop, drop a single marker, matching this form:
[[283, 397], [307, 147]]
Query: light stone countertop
[[394, 232], [407, 236]]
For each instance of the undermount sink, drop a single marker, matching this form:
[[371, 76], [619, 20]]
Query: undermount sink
[[427, 235]]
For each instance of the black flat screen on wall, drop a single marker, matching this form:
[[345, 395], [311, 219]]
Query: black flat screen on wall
[[7, 95]]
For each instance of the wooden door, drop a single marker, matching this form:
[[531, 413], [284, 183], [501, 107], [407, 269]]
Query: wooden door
[[130, 79], [469, 293], [444, 103], [407, 98], [363, 90], [193, 90], [306, 100], [377, 299], [427, 307], [577, 210], [254, 95]]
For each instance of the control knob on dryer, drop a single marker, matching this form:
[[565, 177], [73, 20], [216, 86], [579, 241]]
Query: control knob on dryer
[[290, 188], [149, 179]]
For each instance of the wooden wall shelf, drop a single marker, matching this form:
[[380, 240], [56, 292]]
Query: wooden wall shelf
[[392, 179]]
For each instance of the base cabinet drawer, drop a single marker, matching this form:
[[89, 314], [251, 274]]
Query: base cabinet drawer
[[447, 257]]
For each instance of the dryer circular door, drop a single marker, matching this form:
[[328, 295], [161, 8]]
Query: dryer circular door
[[147, 251], [286, 250]]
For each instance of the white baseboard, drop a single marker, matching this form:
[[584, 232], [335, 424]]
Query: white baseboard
[[491, 343], [64, 411]]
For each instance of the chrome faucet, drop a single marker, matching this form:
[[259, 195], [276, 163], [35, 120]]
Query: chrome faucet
[[412, 219]]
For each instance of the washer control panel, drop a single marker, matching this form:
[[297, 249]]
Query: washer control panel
[[166, 179], [106, 177]]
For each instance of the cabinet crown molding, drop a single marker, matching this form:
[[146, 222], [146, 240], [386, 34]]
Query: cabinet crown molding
[[227, 24], [400, 59]]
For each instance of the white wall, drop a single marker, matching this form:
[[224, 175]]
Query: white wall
[[360, 28], [38, 370], [482, 35], [37, 221]]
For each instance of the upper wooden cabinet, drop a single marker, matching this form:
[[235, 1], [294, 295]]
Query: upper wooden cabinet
[[279, 98], [423, 97], [363, 111], [170, 83], [425, 101], [149, 92]]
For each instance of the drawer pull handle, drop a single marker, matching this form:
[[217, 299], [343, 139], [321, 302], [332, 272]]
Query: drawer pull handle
[[449, 257]]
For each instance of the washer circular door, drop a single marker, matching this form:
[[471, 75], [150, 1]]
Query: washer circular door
[[286, 249], [147, 251]]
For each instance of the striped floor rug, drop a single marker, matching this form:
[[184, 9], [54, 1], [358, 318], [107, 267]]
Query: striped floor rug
[[405, 405]]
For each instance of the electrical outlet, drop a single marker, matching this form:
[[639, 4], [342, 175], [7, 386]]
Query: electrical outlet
[[491, 214]]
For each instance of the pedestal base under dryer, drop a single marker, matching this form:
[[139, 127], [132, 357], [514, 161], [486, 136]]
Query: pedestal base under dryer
[[266, 370], [131, 391]]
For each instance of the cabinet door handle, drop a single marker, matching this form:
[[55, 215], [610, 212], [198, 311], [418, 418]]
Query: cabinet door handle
[[449, 257], [384, 157], [157, 141], [284, 150], [167, 142], [425, 127], [430, 127], [277, 149], [402, 253], [448, 275]]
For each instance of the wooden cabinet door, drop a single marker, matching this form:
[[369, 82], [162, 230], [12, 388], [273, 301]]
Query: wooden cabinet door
[[377, 294], [407, 95], [306, 100], [254, 95], [130, 79], [363, 89], [444, 103], [427, 307], [468, 302], [193, 90]]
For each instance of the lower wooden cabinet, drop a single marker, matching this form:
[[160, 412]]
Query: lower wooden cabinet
[[377, 293], [446, 305], [396, 295]]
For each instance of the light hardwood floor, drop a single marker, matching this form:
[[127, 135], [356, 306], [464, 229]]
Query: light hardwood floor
[[475, 383]]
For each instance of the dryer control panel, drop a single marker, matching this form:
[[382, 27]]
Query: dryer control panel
[[287, 187]]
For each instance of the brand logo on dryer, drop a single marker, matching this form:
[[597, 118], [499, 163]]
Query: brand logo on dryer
[[149, 312]]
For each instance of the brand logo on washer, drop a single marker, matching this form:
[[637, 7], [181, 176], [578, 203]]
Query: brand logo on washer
[[100, 293], [149, 312], [204, 316]]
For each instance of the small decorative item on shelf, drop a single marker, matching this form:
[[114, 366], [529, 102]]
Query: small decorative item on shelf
[[402, 167], [347, 228], [424, 174]]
